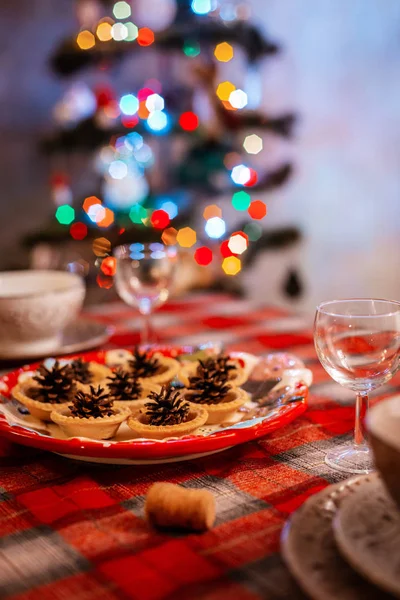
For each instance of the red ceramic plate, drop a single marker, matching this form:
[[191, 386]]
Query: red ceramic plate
[[22, 429]]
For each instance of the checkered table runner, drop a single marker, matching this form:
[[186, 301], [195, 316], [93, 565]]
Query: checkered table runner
[[72, 530]]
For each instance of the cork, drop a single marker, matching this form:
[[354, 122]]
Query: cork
[[170, 505]]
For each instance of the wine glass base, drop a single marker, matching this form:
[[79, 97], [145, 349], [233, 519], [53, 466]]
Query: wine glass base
[[351, 458]]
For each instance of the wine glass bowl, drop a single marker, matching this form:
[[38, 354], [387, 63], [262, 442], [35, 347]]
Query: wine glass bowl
[[358, 344], [144, 277]]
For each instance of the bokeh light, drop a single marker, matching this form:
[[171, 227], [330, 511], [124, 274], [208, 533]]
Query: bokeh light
[[203, 256], [157, 121], [78, 231], [170, 208], [107, 219], [212, 210], [241, 200], [121, 10], [201, 7], [101, 246], [223, 52], [191, 49], [103, 31], [160, 219], [238, 99], [231, 265], [145, 36], [109, 266], [215, 227], [189, 121], [132, 31], [168, 236], [119, 32], [225, 250], [137, 214], [104, 282], [65, 214], [186, 237], [85, 40], [129, 104], [240, 174], [253, 231], [257, 209], [238, 242], [253, 144], [225, 89], [154, 102], [96, 213], [118, 169], [252, 180]]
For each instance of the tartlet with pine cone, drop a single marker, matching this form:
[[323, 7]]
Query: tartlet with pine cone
[[154, 368], [227, 365], [166, 414], [89, 373], [127, 390], [49, 387], [91, 414], [211, 388]]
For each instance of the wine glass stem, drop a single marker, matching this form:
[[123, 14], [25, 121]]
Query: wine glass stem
[[362, 404], [145, 337]]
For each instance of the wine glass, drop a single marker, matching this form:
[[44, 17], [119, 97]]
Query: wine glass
[[358, 344], [144, 276]]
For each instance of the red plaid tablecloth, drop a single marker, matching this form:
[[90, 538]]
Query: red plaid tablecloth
[[72, 530]]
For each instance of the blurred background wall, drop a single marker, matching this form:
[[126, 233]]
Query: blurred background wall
[[339, 71]]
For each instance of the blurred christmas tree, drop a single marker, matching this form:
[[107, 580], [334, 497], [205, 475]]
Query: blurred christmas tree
[[152, 138]]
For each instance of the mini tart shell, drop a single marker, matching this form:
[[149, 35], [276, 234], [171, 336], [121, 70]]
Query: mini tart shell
[[223, 411], [189, 370], [171, 369], [147, 388], [39, 410], [159, 432], [99, 372], [95, 428]]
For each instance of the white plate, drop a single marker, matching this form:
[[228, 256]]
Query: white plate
[[367, 532], [310, 551]]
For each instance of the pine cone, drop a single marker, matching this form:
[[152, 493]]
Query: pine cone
[[221, 364], [209, 385], [55, 384], [124, 386], [143, 365], [81, 371], [167, 407], [95, 403]]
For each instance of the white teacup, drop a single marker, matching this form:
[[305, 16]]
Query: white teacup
[[35, 307]]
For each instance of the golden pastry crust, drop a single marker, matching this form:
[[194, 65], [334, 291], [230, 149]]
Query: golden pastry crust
[[99, 372], [137, 422], [39, 410], [96, 428], [147, 388], [170, 369], [236, 378], [223, 411]]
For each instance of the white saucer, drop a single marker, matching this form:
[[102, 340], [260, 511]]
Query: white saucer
[[367, 532], [310, 552], [81, 335]]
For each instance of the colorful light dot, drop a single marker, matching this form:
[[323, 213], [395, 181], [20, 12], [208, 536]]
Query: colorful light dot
[[170, 208], [212, 210], [137, 214], [240, 174], [78, 231], [154, 102], [129, 104], [238, 242], [145, 36], [186, 237], [129, 122], [253, 144], [191, 49], [241, 200], [119, 32], [159, 219], [109, 266], [231, 159], [252, 179], [101, 246], [238, 99], [257, 210], [103, 31], [203, 256], [157, 121], [85, 40], [215, 227], [107, 219], [223, 52], [132, 31], [189, 121], [65, 214], [231, 265], [104, 282], [96, 213], [201, 7], [168, 236], [253, 230], [118, 169], [224, 249], [121, 10], [225, 89]]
